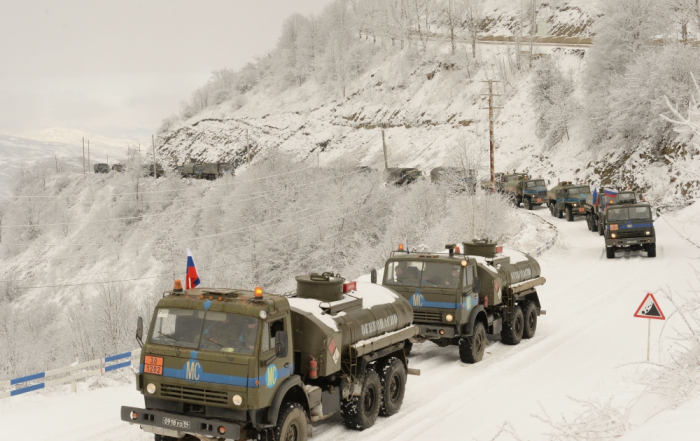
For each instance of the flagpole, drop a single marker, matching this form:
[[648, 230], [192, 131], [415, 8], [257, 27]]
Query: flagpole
[[648, 340]]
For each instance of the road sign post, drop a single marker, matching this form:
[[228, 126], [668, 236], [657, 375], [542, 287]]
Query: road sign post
[[649, 309]]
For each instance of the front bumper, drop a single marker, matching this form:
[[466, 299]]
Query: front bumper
[[176, 426], [630, 241], [433, 332]]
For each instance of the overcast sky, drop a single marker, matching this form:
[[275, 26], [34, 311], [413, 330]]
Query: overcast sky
[[117, 68]]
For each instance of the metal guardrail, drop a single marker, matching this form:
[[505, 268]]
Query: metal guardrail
[[96, 367]]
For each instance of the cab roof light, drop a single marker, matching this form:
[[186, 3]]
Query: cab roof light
[[177, 287], [258, 292], [401, 247]]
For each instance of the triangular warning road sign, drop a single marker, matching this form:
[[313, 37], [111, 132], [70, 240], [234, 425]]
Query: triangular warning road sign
[[649, 309]]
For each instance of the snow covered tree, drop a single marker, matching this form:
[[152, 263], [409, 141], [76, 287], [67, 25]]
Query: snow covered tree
[[473, 11], [551, 96]]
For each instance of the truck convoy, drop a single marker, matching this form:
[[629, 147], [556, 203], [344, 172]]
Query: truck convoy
[[629, 226], [506, 180], [526, 191], [460, 298], [206, 170], [239, 364]]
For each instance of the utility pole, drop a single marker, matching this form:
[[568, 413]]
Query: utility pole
[[386, 162], [56, 158], [491, 139], [83, 155], [247, 145], [155, 170], [88, 167], [107, 160], [533, 29]]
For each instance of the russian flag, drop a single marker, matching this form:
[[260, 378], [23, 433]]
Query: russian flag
[[192, 278], [610, 193], [595, 197]]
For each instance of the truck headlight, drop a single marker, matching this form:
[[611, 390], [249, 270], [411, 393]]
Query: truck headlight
[[613, 235], [648, 233], [575, 205], [263, 314], [237, 400], [449, 317], [151, 388]]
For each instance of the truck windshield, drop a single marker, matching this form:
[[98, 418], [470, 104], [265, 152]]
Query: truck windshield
[[625, 198], [423, 274], [533, 184], [582, 190], [205, 330], [632, 213]]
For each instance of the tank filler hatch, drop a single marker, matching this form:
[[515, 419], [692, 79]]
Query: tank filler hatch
[[326, 287], [481, 247]]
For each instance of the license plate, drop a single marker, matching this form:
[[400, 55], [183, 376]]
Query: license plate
[[153, 369], [176, 423], [631, 241], [581, 210], [539, 199]]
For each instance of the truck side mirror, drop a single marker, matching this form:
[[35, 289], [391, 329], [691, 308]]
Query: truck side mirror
[[373, 276], [281, 344], [139, 331], [477, 285]]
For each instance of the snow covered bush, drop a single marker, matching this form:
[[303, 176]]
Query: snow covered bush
[[551, 96]]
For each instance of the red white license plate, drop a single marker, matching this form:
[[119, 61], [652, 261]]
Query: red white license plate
[[581, 210], [539, 199]]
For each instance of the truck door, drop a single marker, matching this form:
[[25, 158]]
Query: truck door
[[274, 370], [469, 298]]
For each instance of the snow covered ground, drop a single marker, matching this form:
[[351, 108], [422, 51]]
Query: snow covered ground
[[588, 347]]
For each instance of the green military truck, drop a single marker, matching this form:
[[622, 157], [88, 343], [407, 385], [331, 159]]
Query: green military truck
[[597, 203], [460, 298], [159, 170], [119, 168], [403, 176], [629, 226], [567, 198], [214, 170], [529, 192], [101, 168], [239, 364], [508, 180]]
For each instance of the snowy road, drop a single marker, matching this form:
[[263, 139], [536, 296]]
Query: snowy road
[[587, 346]]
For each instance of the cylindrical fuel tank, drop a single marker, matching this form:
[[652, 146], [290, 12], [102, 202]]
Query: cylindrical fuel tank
[[509, 268], [320, 286], [322, 326]]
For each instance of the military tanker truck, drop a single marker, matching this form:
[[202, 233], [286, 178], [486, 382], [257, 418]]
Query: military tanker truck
[[240, 364], [567, 199], [529, 192], [459, 298]]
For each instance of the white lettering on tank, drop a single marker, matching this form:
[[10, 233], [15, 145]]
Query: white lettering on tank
[[379, 324], [516, 276]]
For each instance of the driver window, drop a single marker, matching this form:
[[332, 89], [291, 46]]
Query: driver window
[[269, 332], [266, 338], [469, 274]]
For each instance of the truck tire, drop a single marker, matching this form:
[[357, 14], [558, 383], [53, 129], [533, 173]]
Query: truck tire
[[511, 335], [651, 250], [407, 347], [529, 204], [600, 229], [291, 423], [393, 382], [529, 318], [569, 214], [360, 413], [471, 349], [553, 209], [610, 252], [560, 214]]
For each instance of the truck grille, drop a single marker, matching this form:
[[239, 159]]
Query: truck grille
[[633, 233], [427, 317], [195, 394]]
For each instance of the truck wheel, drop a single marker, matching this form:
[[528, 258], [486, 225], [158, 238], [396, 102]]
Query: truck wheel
[[529, 318], [529, 204], [560, 214], [361, 412], [393, 382], [471, 349], [291, 423], [511, 335], [407, 346], [651, 250], [594, 224], [610, 252], [600, 228], [552, 210], [569, 214]]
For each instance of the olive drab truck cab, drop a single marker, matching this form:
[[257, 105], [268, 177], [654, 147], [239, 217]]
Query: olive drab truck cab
[[459, 298], [214, 170], [159, 170], [101, 168], [403, 176], [598, 202], [631, 227], [530, 192], [239, 364]]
